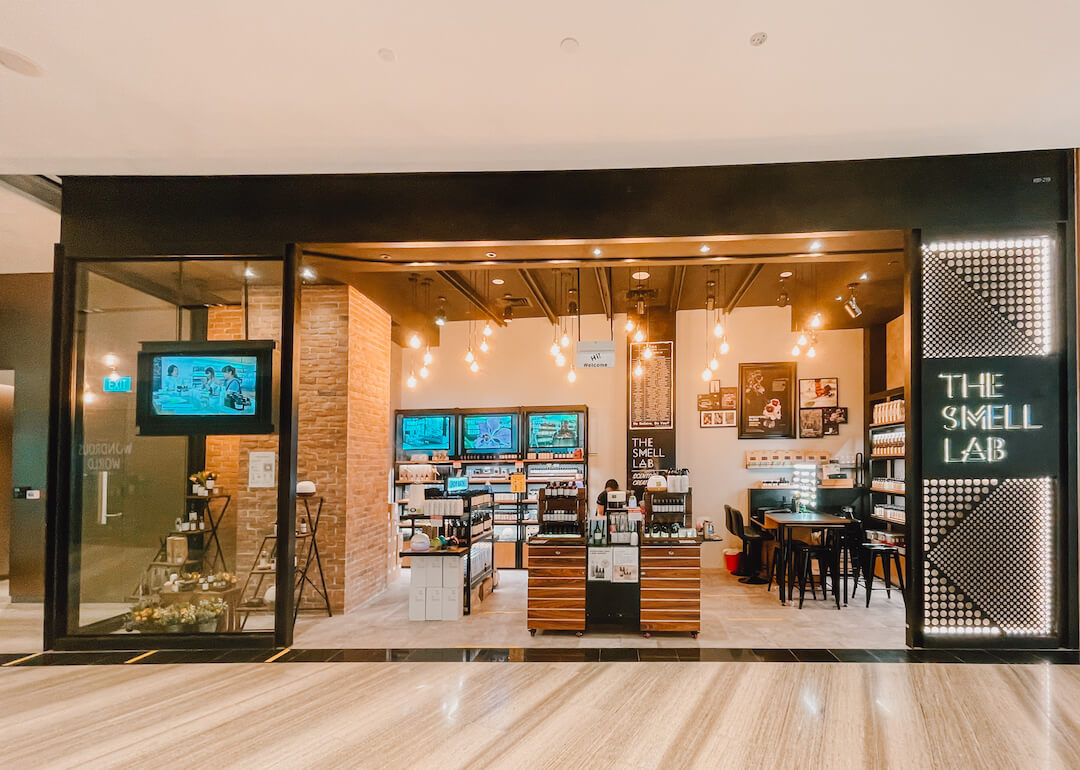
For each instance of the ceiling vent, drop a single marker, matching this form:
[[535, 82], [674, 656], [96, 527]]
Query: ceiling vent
[[517, 301]]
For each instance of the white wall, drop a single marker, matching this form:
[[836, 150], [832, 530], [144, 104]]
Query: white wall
[[715, 456], [519, 371]]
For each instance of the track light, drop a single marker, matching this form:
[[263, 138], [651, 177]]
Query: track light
[[851, 306], [440, 318], [508, 313]]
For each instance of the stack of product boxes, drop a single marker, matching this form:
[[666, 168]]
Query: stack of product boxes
[[436, 588]]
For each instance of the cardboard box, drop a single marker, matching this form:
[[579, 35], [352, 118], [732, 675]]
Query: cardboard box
[[453, 571], [451, 603], [417, 603], [433, 603]]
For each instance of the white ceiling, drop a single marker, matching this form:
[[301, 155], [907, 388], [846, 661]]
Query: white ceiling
[[28, 231], [276, 86]]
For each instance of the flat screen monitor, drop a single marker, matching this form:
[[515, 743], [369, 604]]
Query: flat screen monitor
[[556, 431], [456, 484], [425, 434], [205, 388], [495, 433]]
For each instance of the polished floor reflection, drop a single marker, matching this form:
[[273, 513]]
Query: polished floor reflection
[[736, 715], [732, 615]]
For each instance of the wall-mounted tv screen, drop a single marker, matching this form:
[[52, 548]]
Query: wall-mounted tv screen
[[205, 388], [554, 431], [425, 434], [490, 433]]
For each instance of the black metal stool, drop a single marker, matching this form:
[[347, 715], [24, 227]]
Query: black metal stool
[[888, 554]]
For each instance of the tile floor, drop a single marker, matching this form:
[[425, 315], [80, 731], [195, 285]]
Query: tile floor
[[733, 615]]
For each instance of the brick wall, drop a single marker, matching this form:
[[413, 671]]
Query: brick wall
[[343, 437]]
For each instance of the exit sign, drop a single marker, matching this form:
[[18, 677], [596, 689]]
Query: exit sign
[[116, 385]]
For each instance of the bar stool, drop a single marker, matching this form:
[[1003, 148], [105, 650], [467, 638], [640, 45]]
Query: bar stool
[[730, 524], [888, 555], [751, 539]]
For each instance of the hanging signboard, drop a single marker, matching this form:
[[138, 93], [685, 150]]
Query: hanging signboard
[[596, 354], [651, 402]]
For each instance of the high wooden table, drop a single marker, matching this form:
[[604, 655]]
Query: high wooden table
[[783, 523]]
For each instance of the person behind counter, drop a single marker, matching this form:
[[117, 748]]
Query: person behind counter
[[611, 485]]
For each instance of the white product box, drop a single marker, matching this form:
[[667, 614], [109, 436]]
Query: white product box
[[451, 604], [418, 572], [453, 571], [433, 603], [417, 603], [433, 565]]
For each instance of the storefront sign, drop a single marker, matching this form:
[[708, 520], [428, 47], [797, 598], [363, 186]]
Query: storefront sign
[[989, 415], [650, 441], [596, 354]]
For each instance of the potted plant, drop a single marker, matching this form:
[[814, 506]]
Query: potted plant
[[170, 620], [202, 482], [144, 617], [208, 614]]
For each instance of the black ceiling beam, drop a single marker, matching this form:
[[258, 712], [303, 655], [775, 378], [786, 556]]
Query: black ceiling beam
[[538, 294], [744, 287], [41, 188], [603, 282], [466, 290], [676, 289]]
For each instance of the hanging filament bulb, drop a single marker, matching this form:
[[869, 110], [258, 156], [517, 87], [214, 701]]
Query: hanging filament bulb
[[564, 341], [639, 336], [469, 356], [718, 330], [424, 372], [815, 321], [474, 367], [571, 376], [484, 347], [802, 341], [411, 382], [706, 374], [638, 370], [629, 324], [428, 358], [647, 352], [554, 349], [811, 352], [714, 364], [724, 347], [796, 350], [488, 331], [415, 341], [560, 360]]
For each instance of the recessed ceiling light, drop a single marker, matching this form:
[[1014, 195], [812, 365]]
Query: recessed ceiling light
[[786, 274], [249, 272], [704, 248], [490, 255], [569, 45], [597, 251], [640, 275], [498, 281], [385, 256], [19, 64], [816, 245], [307, 274], [387, 55], [864, 277], [758, 39]]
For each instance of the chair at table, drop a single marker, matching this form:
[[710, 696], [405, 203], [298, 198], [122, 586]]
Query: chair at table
[[752, 540], [888, 555], [803, 555]]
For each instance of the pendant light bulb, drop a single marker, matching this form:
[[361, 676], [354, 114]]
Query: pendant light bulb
[[414, 341], [724, 347], [411, 382], [638, 370], [560, 360], [488, 331], [424, 372], [802, 341], [815, 321], [484, 347], [571, 375], [718, 330], [564, 341], [554, 350], [647, 352], [474, 367], [811, 352], [629, 324], [469, 356], [706, 374], [639, 336], [796, 350], [428, 358], [714, 364]]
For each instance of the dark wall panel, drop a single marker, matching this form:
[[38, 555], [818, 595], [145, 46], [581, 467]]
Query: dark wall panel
[[25, 318]]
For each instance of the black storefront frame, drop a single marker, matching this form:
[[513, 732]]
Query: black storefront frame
[[59, 619], [936, 197]]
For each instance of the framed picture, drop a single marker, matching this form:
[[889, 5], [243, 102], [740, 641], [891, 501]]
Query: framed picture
[[722, 418], [729, 398], [818, 392], [714, 386], [767, 400], [832, 418], [811, 423]]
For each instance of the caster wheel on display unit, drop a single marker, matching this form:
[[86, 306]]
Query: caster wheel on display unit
[[532, 631], [693, 634], [579, 634], [647, 635]]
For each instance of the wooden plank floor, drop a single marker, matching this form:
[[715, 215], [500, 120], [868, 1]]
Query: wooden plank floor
[[555, 715]]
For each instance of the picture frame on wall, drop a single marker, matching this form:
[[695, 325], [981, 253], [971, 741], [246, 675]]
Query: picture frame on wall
[[819, 392], [766, 405], [729, 399], [811, 423], [833, 418], [721, 418]]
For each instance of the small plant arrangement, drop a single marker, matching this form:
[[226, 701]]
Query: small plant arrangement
[[207, 613], [153, 618], [145, 617], [202, 482]]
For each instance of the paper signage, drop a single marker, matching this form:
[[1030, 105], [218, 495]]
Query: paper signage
[[596, 354]]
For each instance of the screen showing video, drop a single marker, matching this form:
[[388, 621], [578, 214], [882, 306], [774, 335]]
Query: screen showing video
[[195, 385], [555, 431]]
